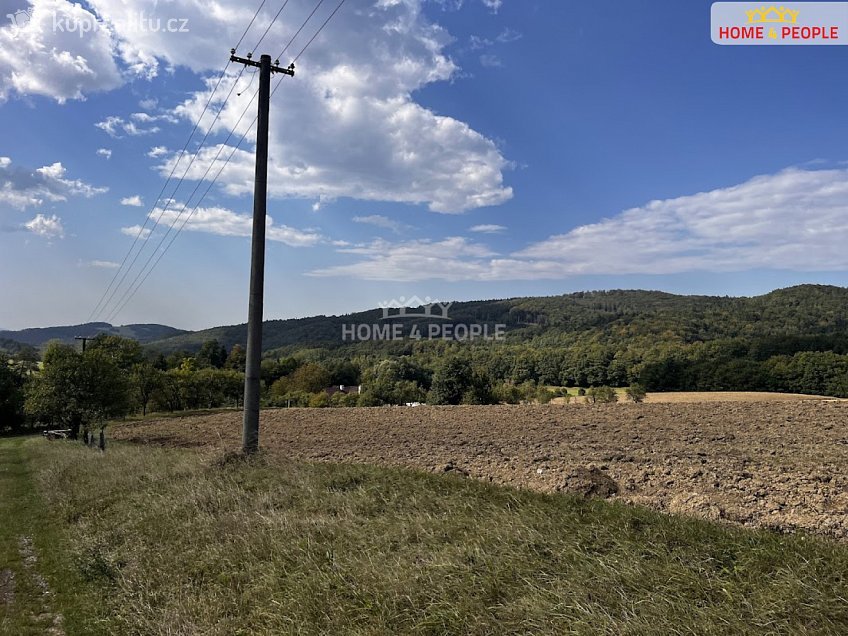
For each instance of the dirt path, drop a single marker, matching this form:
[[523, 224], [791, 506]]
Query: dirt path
[[48, 619], [779, 465]]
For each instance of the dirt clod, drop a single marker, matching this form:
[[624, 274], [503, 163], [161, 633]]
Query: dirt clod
[[591, 482]]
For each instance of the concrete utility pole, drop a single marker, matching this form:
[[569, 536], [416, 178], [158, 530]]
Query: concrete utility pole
[[250, 430]]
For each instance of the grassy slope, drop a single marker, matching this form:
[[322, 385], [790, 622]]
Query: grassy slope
[[24, 514], [181, 543]]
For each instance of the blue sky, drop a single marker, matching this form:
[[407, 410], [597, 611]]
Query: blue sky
[[457, 150]]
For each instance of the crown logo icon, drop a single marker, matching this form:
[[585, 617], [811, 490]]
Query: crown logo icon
[[772, 14], [427, 308]]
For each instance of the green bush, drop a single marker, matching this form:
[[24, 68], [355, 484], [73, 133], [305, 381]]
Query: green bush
[[636, 393], [602, 395]]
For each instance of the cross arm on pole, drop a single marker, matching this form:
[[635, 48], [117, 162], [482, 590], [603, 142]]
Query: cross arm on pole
[[247, 61]]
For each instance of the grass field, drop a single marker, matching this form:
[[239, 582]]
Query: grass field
[[697, 397], [166, 541]]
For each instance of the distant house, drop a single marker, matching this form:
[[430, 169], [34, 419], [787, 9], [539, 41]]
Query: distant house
[[341, 388]]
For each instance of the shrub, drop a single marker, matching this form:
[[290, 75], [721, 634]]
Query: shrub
[[602, 395], [636, 393]]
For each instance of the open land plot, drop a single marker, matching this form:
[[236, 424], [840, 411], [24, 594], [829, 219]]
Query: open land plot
[[772, 464]]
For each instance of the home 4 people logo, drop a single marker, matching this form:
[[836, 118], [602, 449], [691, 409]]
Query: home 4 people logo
[[416, 319], [800, 23]]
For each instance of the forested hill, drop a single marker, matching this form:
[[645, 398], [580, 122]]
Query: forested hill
[[806, 317], [38, 336]]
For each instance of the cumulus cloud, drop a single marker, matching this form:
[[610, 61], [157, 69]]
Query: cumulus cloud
[[793, 220], [493, 5], [49, 227], [59, 64], [136, 230], [22, 187], [224, 222], [134, 201], [348, 125], [104, 152]]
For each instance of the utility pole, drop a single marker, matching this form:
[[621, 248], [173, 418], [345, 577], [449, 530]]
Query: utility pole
[[84, 340], [250, 430]]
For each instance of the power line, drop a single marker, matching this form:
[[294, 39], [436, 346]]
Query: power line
[[253, 50], [203, 196], [256, 13], [190, 215], [98, 307], [167, 181], [120, 302], [170, 199], [302, 26], [139, 280], [312, 39]]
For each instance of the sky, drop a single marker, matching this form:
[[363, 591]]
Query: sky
[[450, 149]]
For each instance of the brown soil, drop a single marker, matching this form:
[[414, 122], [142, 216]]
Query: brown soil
[[778, 465]]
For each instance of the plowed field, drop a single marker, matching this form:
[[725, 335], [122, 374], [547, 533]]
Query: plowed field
[[779, 465]]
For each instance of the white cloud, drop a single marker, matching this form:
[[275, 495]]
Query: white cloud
[[38, 59], [493, 5], [488, 228], [490, 60], [508, 35], [378, 220], [792, 220], [49, 227], [451, 259], [104, 264], [114, 126], [347, 124], [224, 222], [136, 230], [134, 201], [21, 187], [157, 151], [104, 152]]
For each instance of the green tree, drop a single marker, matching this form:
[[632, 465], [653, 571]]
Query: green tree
[[146, 379], [12, 382], [457, 382], [312, 377], [77, 390], [211, 354], [237, 358], [124, 352]]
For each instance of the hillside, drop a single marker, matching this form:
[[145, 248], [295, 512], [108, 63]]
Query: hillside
[[38, 336], [808, 311]]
